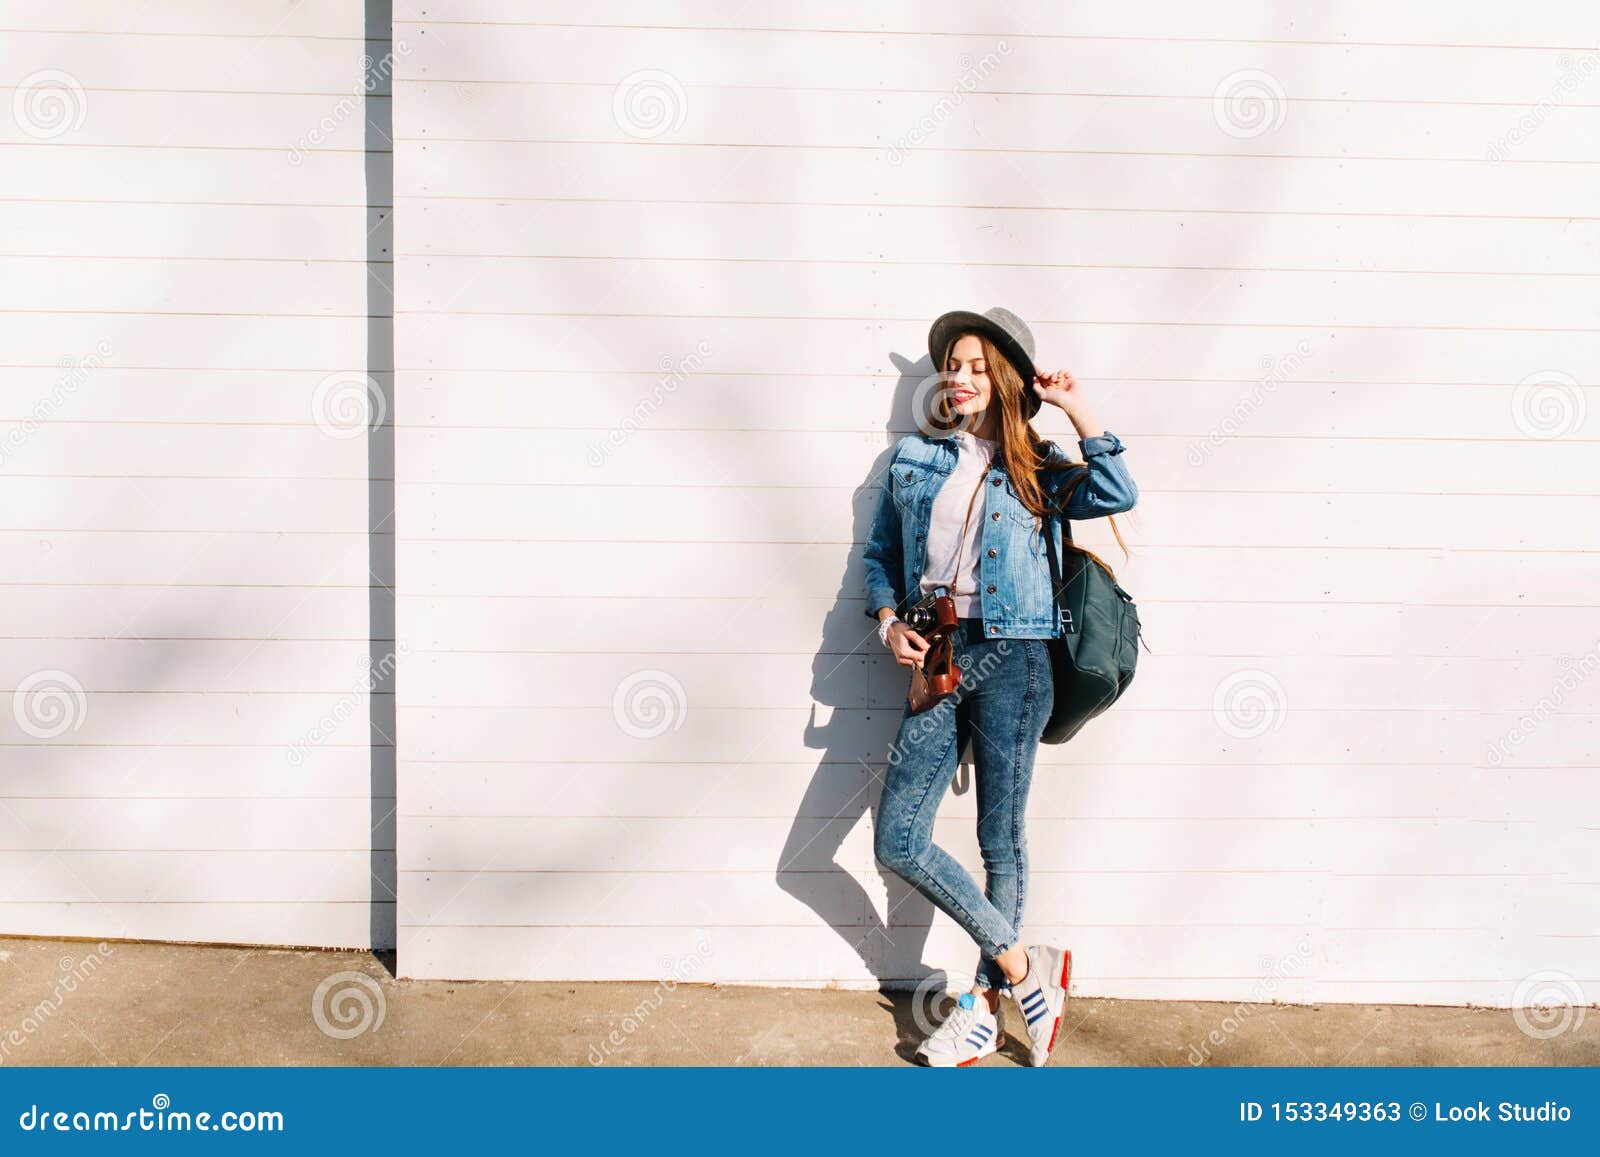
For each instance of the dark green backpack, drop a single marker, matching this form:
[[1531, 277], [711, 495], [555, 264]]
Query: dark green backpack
[[1092, 662]]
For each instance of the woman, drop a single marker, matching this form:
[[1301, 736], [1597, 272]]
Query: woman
[[929, 531]]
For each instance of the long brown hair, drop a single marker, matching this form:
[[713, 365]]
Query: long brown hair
[[1020, 449]]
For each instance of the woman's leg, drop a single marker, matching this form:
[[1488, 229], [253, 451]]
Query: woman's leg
[[1010, 708], [922, 762]]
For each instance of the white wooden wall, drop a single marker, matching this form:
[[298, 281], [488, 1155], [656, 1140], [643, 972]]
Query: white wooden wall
[[1309, 329], [184, 326], [664, 274]]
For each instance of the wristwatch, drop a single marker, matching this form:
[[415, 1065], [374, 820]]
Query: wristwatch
[[883, 628]]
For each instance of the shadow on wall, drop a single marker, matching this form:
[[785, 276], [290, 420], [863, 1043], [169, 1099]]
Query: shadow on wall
[[379, 173], [866, 690]]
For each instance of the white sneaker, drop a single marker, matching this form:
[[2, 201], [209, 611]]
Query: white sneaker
[[970, 1033], [1042, 995]]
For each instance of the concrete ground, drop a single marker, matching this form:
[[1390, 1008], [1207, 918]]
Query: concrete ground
[[73, 1002]]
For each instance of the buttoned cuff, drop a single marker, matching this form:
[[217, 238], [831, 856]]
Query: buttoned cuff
[[1107, 443], [878, 599]]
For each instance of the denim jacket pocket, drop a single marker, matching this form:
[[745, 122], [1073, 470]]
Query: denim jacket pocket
[[1022, 516], [1018, 514], [907, 481]]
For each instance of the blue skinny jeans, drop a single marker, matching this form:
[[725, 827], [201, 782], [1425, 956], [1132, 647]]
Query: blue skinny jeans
[[1002, 706]]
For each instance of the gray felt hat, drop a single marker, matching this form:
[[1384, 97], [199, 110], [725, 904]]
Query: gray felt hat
[[1008, 332]]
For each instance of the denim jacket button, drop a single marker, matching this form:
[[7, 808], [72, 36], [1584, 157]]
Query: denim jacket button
[[991, 588], [995, 516], [994, 630], [992, 554]]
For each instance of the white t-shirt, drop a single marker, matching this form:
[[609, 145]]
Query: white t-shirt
[[944, 526]]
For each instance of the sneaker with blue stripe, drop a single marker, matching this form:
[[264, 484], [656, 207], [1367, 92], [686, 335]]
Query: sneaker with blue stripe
[[1042, 996], [970, 1033]]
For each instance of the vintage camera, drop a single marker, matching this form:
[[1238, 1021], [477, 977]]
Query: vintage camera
[[934, 618], [934, 613]]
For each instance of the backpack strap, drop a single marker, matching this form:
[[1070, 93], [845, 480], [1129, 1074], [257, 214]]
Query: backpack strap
[[1058, 514], [1058, 587]]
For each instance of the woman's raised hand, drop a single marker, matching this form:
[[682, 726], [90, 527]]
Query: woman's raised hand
[[1059, 388]]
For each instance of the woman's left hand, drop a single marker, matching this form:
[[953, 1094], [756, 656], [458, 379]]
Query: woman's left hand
[[1059, 388]]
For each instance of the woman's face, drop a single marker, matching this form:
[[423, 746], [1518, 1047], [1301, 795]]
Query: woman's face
[[966, 391]]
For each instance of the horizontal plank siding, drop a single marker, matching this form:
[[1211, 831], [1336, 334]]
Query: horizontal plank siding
[[196, 583], [666, 272]]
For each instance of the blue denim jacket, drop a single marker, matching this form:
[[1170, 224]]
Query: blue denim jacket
[[1013, 573]]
